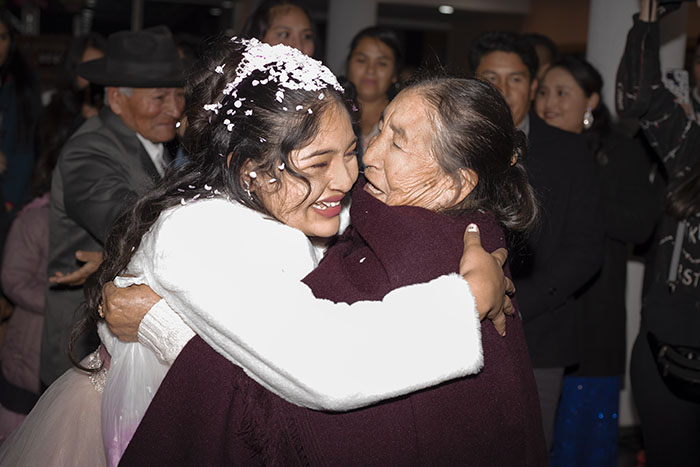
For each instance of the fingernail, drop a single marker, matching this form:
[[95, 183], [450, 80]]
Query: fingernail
[[472, 228]]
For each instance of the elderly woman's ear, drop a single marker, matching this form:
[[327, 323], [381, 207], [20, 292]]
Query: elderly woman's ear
[[469, 180], [454, 193]]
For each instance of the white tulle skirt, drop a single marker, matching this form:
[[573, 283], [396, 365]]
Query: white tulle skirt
[[64, 427]]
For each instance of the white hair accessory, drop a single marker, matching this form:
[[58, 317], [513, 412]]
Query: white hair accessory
[[284, 65]]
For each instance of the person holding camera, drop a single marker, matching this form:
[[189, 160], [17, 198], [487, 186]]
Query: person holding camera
[[669, 407]]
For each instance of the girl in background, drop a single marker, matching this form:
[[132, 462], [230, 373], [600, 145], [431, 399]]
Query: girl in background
[[282, 22], [373, 67]]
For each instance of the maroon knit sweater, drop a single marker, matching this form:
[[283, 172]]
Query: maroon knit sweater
[[208, 412]]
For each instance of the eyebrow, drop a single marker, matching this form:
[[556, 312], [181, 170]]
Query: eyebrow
[[284, 26], [398, 131], [381, 56], [320, 152], [323, 152], [497, 72]]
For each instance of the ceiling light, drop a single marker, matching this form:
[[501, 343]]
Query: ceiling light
[[446, 9]]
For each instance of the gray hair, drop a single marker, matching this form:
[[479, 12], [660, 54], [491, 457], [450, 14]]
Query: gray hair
[[124, 90]]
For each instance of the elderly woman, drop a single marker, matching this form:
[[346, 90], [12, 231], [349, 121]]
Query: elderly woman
[[429, 174]]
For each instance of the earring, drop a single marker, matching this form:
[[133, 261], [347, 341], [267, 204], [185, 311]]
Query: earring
[[588, 119]]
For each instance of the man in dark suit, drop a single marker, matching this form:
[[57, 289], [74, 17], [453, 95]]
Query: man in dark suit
[[110, 160], [565, 251]]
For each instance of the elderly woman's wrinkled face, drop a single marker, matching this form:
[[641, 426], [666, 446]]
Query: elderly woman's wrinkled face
[[400, 167]]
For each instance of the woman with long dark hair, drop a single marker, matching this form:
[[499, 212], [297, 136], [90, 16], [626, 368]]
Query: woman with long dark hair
[[373, 66], [569, 97]]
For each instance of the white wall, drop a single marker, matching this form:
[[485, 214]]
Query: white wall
[[345, 19]]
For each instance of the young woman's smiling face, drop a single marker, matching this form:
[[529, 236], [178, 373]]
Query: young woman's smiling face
[[329, 163], [561, 102]]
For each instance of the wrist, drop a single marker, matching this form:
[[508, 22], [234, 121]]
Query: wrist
[[163, 331]]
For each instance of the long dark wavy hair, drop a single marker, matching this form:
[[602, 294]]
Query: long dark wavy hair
[[474, 130], [221, 146]]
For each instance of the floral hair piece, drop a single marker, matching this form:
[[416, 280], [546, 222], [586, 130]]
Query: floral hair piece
[[284, 65]]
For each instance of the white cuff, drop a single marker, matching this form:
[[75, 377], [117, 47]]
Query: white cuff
[[163, 331]]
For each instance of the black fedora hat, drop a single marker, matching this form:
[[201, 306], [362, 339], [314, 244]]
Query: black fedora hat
[[140, 59]]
